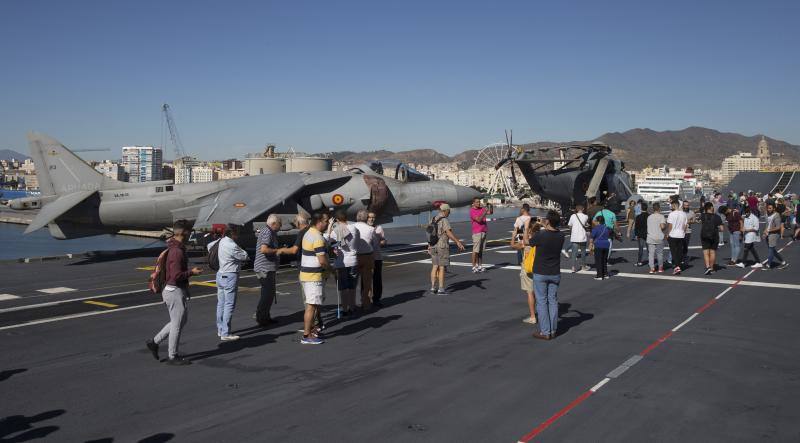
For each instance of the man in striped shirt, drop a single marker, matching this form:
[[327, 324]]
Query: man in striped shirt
[[313, 266]]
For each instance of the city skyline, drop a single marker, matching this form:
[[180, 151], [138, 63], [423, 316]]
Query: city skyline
[[368, 76]]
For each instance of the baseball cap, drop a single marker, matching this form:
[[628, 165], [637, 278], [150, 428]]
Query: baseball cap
[[444, 207]]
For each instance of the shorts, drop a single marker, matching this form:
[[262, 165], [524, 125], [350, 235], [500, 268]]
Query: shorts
[[346, 278], [478, 242], [526, 281], [314, 292], [709, 243], [440, 256]]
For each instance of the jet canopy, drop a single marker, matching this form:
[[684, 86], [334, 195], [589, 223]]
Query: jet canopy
[[392, 169]]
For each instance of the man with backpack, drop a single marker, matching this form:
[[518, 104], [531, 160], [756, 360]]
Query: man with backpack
[[229, 257], [172, 277], [439, 235], [710, 227]]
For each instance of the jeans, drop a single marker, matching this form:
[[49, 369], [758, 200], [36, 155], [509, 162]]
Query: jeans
[[736, 245], [227, 288], [546, 289], [601, 262], [686, 241], [642, 243], [267, 281], [773, 255], [178, 308], [655, 251], [574, 254]]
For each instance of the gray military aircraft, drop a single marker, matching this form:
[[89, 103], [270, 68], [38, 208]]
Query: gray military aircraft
[[77, 201], [594, 172]]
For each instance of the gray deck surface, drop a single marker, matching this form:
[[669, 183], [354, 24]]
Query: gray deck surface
[[458, 368]]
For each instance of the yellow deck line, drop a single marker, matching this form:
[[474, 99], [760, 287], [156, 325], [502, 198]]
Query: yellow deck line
[[204, 283], [100, 303]]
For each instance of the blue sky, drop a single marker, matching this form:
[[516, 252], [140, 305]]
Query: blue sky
[[324, 76]]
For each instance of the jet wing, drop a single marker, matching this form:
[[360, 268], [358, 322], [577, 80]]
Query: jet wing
[[248, 199], [54, 209]]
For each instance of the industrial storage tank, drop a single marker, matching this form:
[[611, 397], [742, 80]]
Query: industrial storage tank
[[308, 164], [256, 165], [264, 163]]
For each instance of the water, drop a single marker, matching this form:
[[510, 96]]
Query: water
[[40, 244], [9, 194]]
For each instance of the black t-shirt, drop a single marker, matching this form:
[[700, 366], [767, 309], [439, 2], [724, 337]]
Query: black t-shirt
[[640, 225], [548, 252], [299, 242], [710, 227]]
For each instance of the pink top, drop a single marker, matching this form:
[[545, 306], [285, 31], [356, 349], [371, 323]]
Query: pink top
[[479, 214]]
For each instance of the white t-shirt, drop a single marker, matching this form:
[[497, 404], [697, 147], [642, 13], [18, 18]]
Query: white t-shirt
[[519, 223], [367, 240], [751, 222], [578, 222], [379, 236], [679, 221], [345, 247]]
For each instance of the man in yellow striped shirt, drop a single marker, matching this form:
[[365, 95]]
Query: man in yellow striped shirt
[[313, 266]]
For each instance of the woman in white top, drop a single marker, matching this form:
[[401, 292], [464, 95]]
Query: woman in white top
[[578, 223], [345, 236]]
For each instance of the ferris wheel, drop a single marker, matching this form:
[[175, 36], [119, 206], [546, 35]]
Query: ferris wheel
[[506, 173]]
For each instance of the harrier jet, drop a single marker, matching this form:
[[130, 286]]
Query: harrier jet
[[77, 201]]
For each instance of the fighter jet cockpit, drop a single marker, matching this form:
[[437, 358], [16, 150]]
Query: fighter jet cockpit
[[392, 169]]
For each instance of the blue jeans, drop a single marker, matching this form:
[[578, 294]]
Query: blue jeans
[[574, 255], [546, 289], [227, 288], [736, 245], [642, 243]]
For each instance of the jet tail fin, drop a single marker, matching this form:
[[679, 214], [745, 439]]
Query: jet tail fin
[[59, 171]]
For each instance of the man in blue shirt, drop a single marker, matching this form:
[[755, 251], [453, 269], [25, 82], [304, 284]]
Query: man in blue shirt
[[231, 257], [611, 221]]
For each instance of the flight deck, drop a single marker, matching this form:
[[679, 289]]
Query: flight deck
[[638, 357]]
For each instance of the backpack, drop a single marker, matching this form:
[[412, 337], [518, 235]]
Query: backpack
[[158, 278], [432, 231], [708, 229], [213, 256]]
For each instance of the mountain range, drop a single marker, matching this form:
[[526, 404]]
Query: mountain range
[[694, 146], [8, 154]]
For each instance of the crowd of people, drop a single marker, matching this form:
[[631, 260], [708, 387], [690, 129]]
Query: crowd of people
[[594, 228], [352, 253]]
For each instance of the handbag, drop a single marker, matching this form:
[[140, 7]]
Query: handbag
[[527, 262]]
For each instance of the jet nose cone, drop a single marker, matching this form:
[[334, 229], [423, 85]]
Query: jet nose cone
[[464, 196]]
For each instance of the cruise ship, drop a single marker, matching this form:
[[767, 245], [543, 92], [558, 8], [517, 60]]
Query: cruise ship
[[660, 188]]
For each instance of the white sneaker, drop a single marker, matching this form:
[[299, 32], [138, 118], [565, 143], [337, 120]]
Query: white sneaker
[[475, 270], [229, 337], [756, 266], [565, 253], [740, 265], [529, 320]]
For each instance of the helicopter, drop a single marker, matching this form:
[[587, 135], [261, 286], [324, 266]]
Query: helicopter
[[580, 171]]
